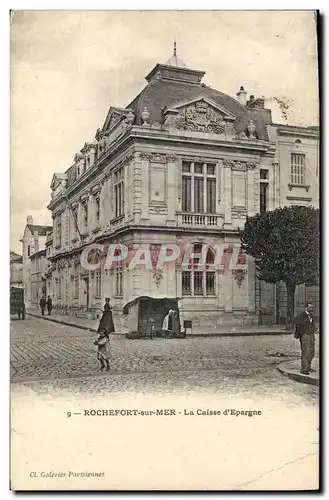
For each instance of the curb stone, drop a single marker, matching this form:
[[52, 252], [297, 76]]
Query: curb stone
[[189, 335], [289, 369], [63, 322]]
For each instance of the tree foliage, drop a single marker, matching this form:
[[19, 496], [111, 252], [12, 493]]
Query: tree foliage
[[285, 244]]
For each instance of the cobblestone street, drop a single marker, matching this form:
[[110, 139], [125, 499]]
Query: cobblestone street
[[55, 378], [50, 357]]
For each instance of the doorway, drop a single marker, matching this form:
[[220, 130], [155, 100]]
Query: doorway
[[86, 280]]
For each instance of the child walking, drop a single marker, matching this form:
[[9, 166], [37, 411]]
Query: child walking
[[103, 353]]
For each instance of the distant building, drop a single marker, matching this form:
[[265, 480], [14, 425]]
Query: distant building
[[38, 270], [16, 269], [50, 266], [182, 164], [33, 240]]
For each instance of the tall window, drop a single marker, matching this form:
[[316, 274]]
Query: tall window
[[28, 250], [196, 281], [297, 168], [85, 216], [97, 284], [263, 190], [199, 187], [59, 231], [119, 281], [97, 210], [58, 287], [74, 222], [119, 192], [76, 286]]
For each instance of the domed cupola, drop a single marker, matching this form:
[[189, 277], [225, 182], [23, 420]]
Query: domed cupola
[[175, 69]]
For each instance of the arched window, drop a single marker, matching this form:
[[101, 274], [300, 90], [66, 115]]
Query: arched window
[[198, 277]]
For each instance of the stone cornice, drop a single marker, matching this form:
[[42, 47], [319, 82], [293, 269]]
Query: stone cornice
[[106, 236], [200, 159], [158, 157], [240, 165], [295, 132], [138, 134]]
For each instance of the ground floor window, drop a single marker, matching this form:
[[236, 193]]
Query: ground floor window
[[198, 282], [119, 282], [58, 288], [76, 286], [97, 284]]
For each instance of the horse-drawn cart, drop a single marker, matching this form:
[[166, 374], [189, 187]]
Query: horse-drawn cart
[[17, 305]]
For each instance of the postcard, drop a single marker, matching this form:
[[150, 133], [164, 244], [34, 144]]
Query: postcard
[[164, 258]]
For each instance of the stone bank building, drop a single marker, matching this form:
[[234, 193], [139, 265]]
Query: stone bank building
[[181, 164]]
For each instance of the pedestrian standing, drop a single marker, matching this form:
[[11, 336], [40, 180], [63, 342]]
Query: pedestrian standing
[[167, 322], [43, 305], [304, 331], [49, 305], [106, 323], [175, 323]]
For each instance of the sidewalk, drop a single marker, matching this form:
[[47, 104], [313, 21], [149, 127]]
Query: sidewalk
[[291, 369], [92, 325], [83, 323]]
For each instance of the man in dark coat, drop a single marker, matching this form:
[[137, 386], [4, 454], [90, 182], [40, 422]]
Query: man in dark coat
[[49, 305], [42, 305], [304, 331]]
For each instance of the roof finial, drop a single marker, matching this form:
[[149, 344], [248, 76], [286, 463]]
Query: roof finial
[[175, 52]]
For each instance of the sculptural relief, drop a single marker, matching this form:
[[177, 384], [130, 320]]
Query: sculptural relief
[[201, 117]]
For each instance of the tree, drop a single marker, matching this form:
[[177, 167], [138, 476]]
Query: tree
[[285, 245]]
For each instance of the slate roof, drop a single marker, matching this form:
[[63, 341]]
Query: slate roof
[[71, 175], [15, 257], [42, 230], [161, 93], [39, 252]]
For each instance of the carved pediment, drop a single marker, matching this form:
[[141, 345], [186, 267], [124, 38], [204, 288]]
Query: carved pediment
[[58, 179], [114, 116], [200, 114], [87, 147]]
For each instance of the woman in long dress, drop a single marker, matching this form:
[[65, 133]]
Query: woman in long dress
[[175, 326], [167, 322], [106, 323]]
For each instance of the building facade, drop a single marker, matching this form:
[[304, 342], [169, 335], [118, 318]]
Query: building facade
[[16, 269], [33, 240], [297, 158], [38, 270], [182, 165], [49, 268]]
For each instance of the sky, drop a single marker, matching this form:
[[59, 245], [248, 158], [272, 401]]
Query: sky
[[69, 67]]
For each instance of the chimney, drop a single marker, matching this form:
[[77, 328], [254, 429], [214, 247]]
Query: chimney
[[36, 241], [261, 102], [29, 219], [242, 96]]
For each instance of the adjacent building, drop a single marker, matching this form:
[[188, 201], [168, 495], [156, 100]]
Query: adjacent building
[[16, 269], [38, 270], [182, 164], [297, 160], [33, 241]]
